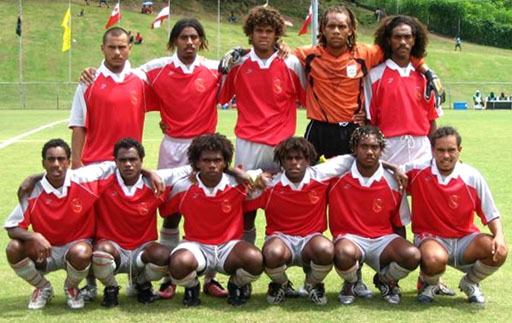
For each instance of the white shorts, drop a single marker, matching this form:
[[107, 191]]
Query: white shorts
[[210, 258], [57, 260], [128, 258], [371, 249], [454, 247], [252, 155], [404, 149], [173, 152], [295, 244]]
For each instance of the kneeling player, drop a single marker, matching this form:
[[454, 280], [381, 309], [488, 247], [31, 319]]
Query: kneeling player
[[445, 196], [60, 212], [365, 209], [295, 204], [126, 227], [212, 205]]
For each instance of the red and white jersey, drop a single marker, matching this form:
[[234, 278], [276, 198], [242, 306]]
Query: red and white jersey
[[64, 214], [127, 214], [299, 209], [368, 207], [446, 206], [266, 94], [110, 109], [188, 94], [395, 100], [212, 215]]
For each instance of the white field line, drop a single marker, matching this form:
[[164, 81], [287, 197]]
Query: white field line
[[18, 138]]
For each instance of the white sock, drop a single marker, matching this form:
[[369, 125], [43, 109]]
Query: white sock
[[188, 281], [479, 271], [349, 275], [393, 272], [170, 237], [242, 277], [250, 236], [154, 272], [26, 269], [104, 265], [317, 273], [430, 280], [75, 276], [277, 275]]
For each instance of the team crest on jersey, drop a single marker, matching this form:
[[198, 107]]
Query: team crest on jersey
[[390, 80], [103, 86], [277, 86], [134, 98], [453, 201], [143, 208], [377, 205], [347, 186], [113, 193], [313, 197], [48, 201], [200, 86], [226, 206], [76, 205], [352, 70]]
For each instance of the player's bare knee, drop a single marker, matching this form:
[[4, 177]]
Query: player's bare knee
[[156, 254], [410, 257], [80, 255], [322, 251], [105, 246], [274, 255], [14, 251], [182, 263], [253, 261]]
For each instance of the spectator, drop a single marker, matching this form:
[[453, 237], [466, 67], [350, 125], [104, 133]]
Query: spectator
[[232, 17], [103, 2], [458, 43], [478, 100], [491, 97], [138, 39], [502, 97]]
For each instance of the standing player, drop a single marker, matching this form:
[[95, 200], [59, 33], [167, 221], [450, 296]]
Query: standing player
[[394, 98], [365, 207], [112, 106], [126, 226], [445, 196], [212, 206], [295, 204], [267, 89], [59, 212]]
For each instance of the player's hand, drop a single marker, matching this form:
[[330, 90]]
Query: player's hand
[[27, 186], [87, 75], [43, 248], [434, 85], [499, 247], [232, 57], [262, 180], [359, 118], [76, 163], [163, 126], [401, 178], [156, 182], [283, 50]]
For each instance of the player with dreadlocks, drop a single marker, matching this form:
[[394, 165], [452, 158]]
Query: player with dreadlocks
[[365, 209]]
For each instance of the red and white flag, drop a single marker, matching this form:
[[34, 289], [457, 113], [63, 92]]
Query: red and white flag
[[304, 29], [162, 15], [115, 16]]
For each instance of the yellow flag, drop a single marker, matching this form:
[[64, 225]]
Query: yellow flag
[[66, 37]]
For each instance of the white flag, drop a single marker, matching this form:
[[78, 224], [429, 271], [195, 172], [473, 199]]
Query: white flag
[[164, 13]]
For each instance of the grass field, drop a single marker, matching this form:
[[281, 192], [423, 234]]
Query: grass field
[[485, 138]]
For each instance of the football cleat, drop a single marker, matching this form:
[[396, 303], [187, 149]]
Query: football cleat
[[472, 291], [390, 292], [110, 295], [317, 294], [167, 289], [276, 293], [73, 298], [236, 295], [40, 297], [215, 289], [191, 296], [88, 293], [426, 293], [145, 293], [347, 295]]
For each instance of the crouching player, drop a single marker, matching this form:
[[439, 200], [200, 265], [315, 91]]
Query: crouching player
[[295, 203], [445, 196], [212, 206], [60, 211], [366, 208], [126, 226]]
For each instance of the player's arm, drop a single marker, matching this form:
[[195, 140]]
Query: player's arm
[[499, 246], [27, 186], [398, 173], [433, 128], [77, 146], [157, 182], [42, 246], [87, 76]]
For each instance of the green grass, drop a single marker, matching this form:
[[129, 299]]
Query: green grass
[[485, 136], [43, 60]]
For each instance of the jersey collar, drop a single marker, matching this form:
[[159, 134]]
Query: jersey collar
[[129, 190], [366, 182], [263, 64], [208, 191], [187, 69], [118, 78], [285, 181], [61, 191], [444, 180], [403, 71]]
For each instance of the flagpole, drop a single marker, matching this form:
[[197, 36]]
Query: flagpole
[[20, 59], [71, 40], [169, 19], [314, 21], [218, 29]]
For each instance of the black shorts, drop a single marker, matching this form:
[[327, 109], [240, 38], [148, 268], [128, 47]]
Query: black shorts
[[330, 139]]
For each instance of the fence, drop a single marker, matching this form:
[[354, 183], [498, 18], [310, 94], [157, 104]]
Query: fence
[[59, 95]]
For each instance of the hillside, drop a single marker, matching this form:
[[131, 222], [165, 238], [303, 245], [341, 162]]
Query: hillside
[[43, 60]]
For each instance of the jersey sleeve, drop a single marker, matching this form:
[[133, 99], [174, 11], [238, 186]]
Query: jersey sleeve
[[172, 175], [78, 108], [402, 216], [227, 90], [94, 172], [255, 200], [372, 55], [298, 77], [333, 167], [19, 217], [485, 207]]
